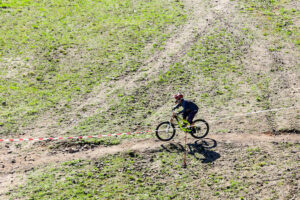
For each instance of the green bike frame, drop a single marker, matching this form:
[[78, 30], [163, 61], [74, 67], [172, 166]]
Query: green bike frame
[[178, 119]]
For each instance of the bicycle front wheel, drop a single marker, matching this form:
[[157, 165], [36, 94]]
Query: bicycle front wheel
[[165, 131], [200, 129]]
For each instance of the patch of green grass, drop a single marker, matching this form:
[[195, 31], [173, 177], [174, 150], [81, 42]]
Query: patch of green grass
[[118, 176], [256, 149], [53, 52]]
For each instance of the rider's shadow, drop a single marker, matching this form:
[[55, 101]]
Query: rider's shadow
[[198, 148]]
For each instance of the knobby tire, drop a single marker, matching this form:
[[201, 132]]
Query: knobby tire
[[195, 132]]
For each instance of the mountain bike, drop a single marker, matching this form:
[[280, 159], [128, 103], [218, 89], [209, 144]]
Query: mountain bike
[[165, 131]]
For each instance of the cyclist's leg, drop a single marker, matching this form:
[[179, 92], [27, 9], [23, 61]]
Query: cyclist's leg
[[184, 116], [191, 117]]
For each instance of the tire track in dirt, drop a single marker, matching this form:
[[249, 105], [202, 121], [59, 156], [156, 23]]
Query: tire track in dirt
[[201, 19], [176, 46], [258, 60]]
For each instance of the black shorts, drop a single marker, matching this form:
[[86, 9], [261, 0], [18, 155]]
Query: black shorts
[[189, 115]]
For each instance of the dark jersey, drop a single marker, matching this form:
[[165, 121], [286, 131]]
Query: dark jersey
[[188, 106]]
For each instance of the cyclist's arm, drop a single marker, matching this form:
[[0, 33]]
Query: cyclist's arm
[[180, 112], [177, 106]]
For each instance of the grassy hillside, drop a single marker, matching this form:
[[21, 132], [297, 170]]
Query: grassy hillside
[[57, 56], [279, 17], [104, 66], [215, 73], [56, 52]]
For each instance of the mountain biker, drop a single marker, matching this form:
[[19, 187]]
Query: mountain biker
[[190, 109]]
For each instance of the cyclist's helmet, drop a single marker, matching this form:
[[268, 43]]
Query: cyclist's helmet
[[178, 97]]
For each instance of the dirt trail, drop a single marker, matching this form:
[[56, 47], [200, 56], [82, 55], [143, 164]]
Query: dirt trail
[[15, 163], [43, 155]]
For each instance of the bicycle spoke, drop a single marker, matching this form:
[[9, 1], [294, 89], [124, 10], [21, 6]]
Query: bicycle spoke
[[165, 131]]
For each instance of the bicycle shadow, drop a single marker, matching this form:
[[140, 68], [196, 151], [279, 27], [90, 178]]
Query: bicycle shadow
[[198, 148]]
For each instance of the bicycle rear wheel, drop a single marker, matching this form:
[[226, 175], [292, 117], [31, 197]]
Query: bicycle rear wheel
[[200, 129], [165, 131]]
